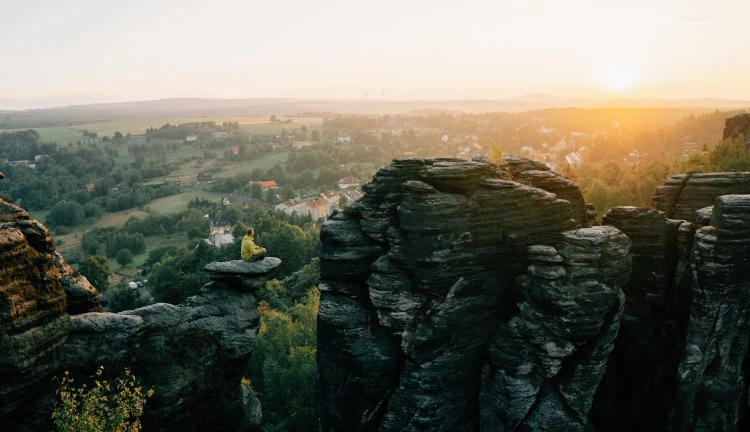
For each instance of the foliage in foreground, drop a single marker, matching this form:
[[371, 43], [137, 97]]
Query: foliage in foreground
[[282, 368], [100, 408]]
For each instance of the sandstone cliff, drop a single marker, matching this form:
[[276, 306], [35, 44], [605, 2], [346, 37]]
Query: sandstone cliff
[[193, 354], [426, 319], [458, 297]]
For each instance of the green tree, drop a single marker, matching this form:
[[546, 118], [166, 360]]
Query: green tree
[[256, 191], [123, 298], [194, 232], [96, 270], [124, 257], [343, 201], [271, 196], [273, 118], [283, 365], [315, 136], [100, 408], [288, 192], [65, 214]]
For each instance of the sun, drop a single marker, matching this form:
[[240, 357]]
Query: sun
[[619, 78]]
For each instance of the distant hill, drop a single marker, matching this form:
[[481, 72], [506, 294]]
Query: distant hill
[[195, 107]]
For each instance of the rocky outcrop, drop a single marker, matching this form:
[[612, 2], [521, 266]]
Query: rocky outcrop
[[539, 175], [711, 383], [683, 194], [33, 323], [545, 364], [193, 354], [419, 277], [736, 126]]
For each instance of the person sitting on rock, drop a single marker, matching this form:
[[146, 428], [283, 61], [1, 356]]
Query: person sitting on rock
[[251, 252]]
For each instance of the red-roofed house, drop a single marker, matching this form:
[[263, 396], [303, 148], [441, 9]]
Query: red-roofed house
[[301, 144], [90, 187], [235, 151], [268, 184]]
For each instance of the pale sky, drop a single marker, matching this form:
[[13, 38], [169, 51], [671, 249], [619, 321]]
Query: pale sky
[[414, 49]]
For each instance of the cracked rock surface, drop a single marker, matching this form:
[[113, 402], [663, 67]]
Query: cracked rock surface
[[419, 280]]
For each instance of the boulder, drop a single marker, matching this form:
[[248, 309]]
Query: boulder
[[242, 275]]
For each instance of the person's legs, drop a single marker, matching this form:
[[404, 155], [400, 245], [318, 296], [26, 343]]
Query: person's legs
[[258, 257]]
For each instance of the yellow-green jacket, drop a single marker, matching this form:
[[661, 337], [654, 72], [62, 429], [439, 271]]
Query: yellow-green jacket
[[249, 249]]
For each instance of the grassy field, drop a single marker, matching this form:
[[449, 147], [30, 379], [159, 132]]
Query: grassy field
[[178, 203], [247, 124], [62, 135]]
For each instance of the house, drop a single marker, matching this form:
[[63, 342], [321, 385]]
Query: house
[[220, 227], [185, 183], [191, 138], [219, 240], [295, 130], [267, 184], [301, 144], [573, 159], [90, 187], [444, 138], [332, 197], [344, 137], [318, 209], [293, 205], [219, 135], [37, 157], [348, 182], [352, 195], [236, 200], [235, 151], [204, 178]]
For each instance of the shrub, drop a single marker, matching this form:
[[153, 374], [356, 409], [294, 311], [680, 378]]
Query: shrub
[[100, 408]]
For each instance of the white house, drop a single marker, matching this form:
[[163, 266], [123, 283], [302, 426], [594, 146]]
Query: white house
[[191, 138], [444, 138], [344, 137], [293, 205], [219, 135], [332, 197]]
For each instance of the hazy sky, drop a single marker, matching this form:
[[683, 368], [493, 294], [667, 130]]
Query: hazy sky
[[415, 49]]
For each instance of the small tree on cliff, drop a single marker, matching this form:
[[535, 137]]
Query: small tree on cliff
[[100, 408], [496, 155]]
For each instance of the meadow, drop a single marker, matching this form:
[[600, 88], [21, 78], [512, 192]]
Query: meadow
[[250, 125], [61, 135]]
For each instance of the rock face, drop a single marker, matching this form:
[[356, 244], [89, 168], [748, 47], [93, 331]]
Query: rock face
[[545, 364], [425, 274], [683, 194], [193, 354], [712, 381], [736, 126], [33, 322], [648, 346]]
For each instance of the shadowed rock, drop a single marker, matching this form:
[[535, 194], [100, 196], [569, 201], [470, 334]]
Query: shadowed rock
[[416, 279], [736, 126], [712, 386], [683, 194], [545, 364]]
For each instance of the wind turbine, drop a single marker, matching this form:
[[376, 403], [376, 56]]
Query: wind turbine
[[383, 95], [365, 96]]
